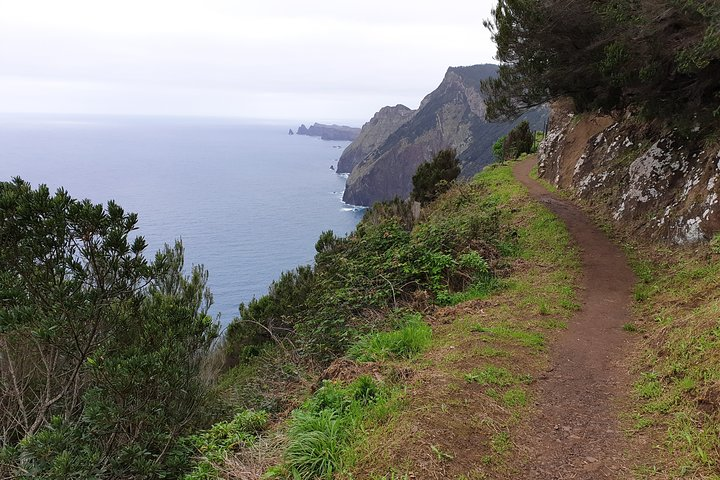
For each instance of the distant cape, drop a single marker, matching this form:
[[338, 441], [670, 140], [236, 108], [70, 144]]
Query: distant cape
[[330, 132]]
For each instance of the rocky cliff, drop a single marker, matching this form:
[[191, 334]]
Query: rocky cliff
[[656, 182], [330, 132], [451, 116], [373, 134]]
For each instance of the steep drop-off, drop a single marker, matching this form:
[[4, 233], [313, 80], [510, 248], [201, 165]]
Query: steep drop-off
[[373, 134], [652, 180], [452, 116]]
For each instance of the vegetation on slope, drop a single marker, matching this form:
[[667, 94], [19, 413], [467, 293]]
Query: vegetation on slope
[[468, 393], [677, 386], [389, 261]]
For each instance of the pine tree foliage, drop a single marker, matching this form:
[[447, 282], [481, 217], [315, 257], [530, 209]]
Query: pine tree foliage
[[661, 54]]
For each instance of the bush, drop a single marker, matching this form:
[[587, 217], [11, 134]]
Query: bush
[[520, 140], [499, 149], [435, 177], [110, 348]]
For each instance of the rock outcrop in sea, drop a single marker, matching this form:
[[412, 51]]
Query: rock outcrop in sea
[[330, 132], [452, 116]]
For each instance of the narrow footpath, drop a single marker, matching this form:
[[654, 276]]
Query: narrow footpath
[[575, 432]]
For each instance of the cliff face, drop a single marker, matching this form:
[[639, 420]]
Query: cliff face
[[373, 134], [330, 132], [452, 116], [655, 182]]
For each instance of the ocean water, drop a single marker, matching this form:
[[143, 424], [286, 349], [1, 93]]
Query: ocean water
[[247, 200]]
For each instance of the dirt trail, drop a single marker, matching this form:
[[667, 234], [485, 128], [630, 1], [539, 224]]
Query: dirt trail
[[575, 433]]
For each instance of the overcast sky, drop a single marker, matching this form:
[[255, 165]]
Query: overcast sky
[[318, 60]]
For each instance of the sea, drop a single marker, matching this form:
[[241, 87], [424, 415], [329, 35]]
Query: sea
[[247, 199]]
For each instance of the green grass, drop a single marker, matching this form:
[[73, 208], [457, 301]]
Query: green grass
[[678, 367], [323, 430], [515, 397], [317, 443], [553, 324], [492, 375], [477, 291], [649, 387], [500, 442], [407, 342], [212, 446], [506, 332]]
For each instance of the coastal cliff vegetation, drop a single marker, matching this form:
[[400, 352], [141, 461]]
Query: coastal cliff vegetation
[[105, 356], [410, 346], [112, 367]]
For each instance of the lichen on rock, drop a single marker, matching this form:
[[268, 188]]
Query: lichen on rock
[[669, 190]]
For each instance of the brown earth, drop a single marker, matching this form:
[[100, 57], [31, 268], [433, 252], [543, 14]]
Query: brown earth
[[575, 433]]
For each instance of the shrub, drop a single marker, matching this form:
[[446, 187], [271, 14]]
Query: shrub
[[110, 348], [520, 140], [436, 176], [499, 149]]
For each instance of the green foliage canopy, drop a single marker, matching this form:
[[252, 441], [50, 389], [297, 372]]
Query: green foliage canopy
[[101, 351], [661, 54]]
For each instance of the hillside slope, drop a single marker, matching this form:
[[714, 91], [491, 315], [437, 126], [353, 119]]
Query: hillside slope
[[542, 371], [373, 135], [452, 116]]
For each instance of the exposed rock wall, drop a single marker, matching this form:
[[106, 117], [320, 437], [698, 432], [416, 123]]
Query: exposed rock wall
[[373, 134], [452, 116], [653, 181]]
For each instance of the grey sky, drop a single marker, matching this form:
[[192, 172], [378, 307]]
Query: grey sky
[[318, 60]]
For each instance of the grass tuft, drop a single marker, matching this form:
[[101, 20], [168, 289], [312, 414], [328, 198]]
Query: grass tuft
[[323, 430], [523, 337], [407, 342], [491, 375]]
